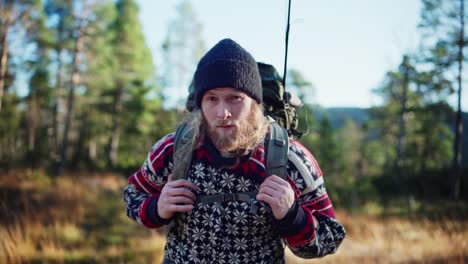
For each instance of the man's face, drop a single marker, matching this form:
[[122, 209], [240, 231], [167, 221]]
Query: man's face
[[225, 111]]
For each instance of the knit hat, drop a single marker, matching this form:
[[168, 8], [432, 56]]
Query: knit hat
[[227, 64]]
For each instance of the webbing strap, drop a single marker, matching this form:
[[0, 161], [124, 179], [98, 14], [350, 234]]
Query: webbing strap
[[277, 151], [226, 197], [181, 162]]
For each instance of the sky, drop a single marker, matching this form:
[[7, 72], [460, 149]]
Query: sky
[[344, 48]]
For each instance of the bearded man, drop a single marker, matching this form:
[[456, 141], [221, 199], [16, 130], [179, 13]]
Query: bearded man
[[227, 147]]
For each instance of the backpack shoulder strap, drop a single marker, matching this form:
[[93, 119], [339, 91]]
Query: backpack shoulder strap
[[181, 163], [277, 148]]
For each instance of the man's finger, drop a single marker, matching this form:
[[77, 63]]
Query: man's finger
[[277, 179], [265, 198], [180, 208], [267, 190], [170, 178], [180, 200], [272, 184], [183, 183], [182, 192]]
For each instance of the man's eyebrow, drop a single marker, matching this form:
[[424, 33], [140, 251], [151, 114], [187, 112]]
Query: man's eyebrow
[[227, 93]]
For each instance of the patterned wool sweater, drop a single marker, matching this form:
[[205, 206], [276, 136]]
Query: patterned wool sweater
[[236, 231]]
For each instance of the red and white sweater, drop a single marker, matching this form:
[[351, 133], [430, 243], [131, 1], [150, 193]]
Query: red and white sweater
[[229, 231]]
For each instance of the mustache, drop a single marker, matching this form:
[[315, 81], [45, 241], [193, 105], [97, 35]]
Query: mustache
[[225, 123]]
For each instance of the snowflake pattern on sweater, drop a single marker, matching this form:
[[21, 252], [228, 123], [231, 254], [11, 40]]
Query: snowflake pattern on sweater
[[230, 231]]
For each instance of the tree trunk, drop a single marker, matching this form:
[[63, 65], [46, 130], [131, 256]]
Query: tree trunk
[[4, 56], [34, 120], [58, 88], [401, 157], [115, 137], [355, 200], [75, 79], [457, 146], [78, 154], [92, 151], [33, 126], [423, 170]]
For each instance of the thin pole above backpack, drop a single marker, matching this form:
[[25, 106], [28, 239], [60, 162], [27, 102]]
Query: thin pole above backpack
[[286, 45]]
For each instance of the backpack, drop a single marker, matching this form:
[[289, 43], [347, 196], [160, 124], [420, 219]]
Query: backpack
[[283, 123], [280, 105]]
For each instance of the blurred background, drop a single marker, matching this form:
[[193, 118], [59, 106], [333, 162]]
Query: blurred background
[[87, 87]]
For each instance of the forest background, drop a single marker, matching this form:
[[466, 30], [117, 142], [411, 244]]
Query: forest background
[[81, 103]]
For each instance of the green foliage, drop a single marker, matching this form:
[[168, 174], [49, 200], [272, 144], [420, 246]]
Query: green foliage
[[134, 61], [328, 150], [115, 62], [10, 115], [297, 84], [443, 53], [132, 77], [61, 12], [419, 132]]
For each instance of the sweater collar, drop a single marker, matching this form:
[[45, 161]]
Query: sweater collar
[[219, 159]]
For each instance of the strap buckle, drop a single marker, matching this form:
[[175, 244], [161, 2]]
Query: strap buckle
[[228, 197]]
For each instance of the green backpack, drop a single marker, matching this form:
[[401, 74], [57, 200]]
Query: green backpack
[[279, 104]]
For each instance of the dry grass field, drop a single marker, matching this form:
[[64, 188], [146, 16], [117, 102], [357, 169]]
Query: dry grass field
[[81, 219]]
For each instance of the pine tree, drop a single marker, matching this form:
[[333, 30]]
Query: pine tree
[[412, 120], [62, 24], [23, 121], [12, 13], [443, 26], [328, 152], [79, 39], [134, 71], [39, 100], [92, 115]]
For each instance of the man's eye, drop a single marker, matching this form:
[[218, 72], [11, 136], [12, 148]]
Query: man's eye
[[212, 98], [236, 98]]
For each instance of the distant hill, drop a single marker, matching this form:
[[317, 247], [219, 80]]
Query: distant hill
[[338, 115]]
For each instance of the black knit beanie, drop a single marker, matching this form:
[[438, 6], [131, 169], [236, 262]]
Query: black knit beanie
[[227, 64]]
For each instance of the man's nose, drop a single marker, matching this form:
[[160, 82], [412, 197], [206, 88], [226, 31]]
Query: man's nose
[[223, 112]]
